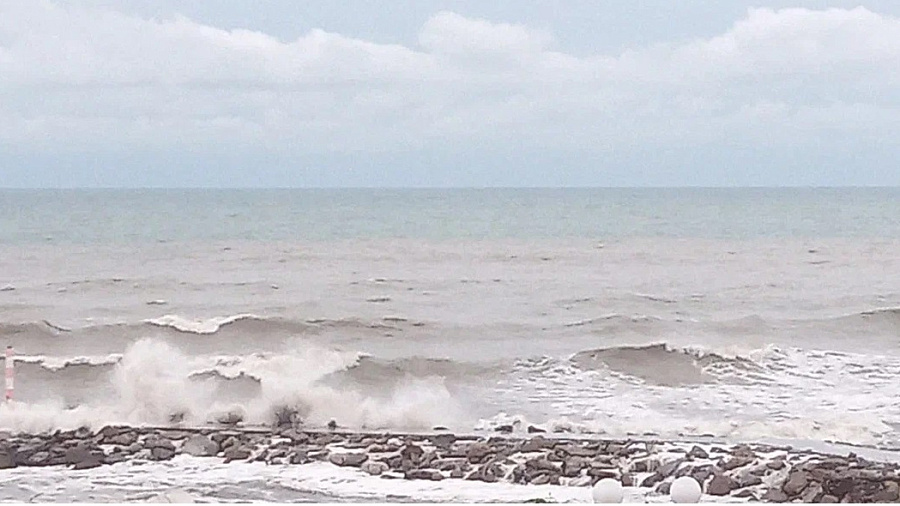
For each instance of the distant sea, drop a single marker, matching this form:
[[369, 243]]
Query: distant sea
[[737, 314]]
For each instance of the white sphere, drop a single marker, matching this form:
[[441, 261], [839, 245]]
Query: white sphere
[[685, 490], [607, 491]]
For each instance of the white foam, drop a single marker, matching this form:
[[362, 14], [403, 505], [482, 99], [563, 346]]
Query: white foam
[[152, 382], [198, 326]]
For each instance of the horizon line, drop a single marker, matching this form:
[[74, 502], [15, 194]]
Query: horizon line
[[264, 188]]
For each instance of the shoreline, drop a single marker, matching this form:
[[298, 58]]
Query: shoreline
[[750, 472]]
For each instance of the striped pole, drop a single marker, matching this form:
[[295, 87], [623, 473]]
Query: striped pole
[[10, 373]]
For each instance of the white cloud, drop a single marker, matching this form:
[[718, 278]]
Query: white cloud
[[85, 79]]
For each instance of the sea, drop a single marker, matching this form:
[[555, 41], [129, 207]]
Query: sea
[[744, 314]]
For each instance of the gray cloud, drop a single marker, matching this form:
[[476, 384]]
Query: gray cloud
[[90, 83]]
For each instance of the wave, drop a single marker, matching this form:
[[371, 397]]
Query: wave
[[661, 364], [154, 383]]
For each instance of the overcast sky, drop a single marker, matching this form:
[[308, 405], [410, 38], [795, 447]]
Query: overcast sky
[[103, 93]]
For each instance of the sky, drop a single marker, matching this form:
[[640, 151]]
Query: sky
[[427, 93]]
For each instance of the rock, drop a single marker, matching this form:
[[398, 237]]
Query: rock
[[652, 480], [424, 474], [236, 452], [348, 459], [541, 479], [889, 493], [77, 454], [155, 441], [838, 487], [200, 446], [572, 466], [669, 468], [230, 418], [299, 457], [113, 458], [776, 464], [536, 444], [795, 483], [601, 473], [122, 439], [374, 468], [162, 453], [38, 459], [7, 457], [698, 453], [828, 499], [412, 453], [89, 463], [535, 430], [504, 429], [812, 493], [774, 495], [443, 441], [736, 462], [746, 494], [721, 485], [748, 480], [222, 436], [476, 452]]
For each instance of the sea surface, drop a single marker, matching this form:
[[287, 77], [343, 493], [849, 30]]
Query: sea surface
[[738, 314]]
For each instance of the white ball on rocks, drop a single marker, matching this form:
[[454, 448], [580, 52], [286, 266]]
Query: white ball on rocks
[[685, 490], [607, 491]]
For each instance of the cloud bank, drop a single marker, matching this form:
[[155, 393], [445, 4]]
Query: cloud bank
[[82, 83]]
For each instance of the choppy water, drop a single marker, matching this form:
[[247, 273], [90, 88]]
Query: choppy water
[[743, 314]]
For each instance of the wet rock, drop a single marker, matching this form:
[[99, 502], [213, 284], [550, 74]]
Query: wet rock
[[812, 493], [829, 499], [541, 479], [114, 458], [38, 459], [698, 453], [721, 485], [476, 452], [748, 480], [236, 452], [572, 466], [889, 493], [89, 463], [736, 462], [536, 444], [122, 439], [161, 453], [424, 474], [776, 464], [443, 441], [200, 446], [775, 495], [795, 483], [600, 473], [669, 468], [653, 480], [504, 429], [154, 441], [412, 453], [348, 459], [221, 436], [77, 454], [663, 488], [299, 457], [746, 494], [374, 468], [535, 430]]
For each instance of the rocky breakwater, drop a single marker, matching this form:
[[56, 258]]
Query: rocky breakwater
[[757, 473]]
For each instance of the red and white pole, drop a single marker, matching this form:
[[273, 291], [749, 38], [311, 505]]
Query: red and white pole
[[10, 373]]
